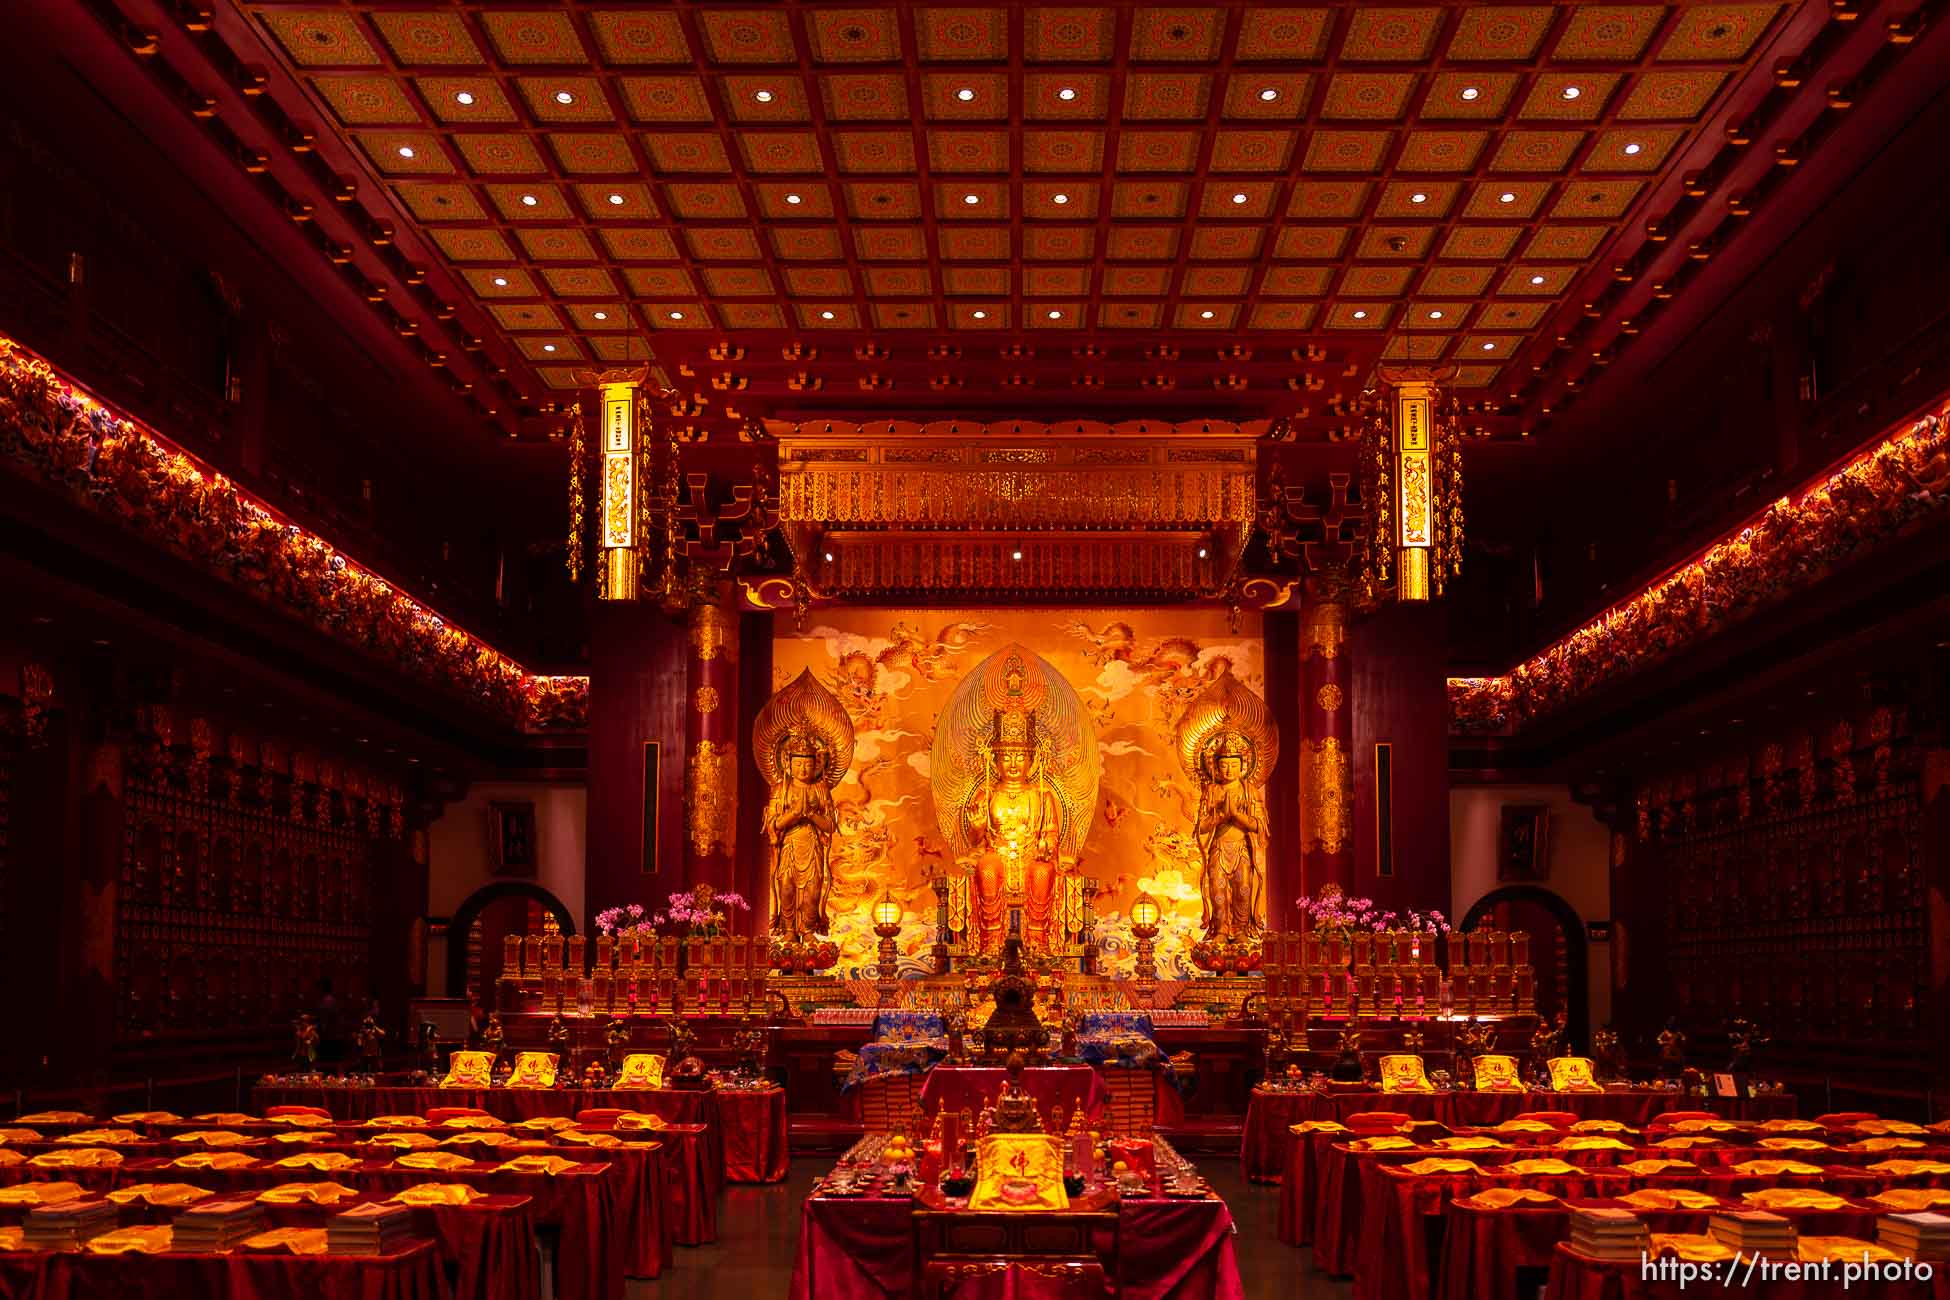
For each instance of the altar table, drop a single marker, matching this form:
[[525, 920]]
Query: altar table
[[410, 1274], [753, 1127], [1269, 1112], [1482, 1249], [955, 1088], [862, 1248], [591, 1257], [1578, 1277]]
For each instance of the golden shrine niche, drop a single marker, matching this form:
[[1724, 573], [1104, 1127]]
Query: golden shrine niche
[[802, 741], [1228, 743], [1015, 772], [1134, 672]]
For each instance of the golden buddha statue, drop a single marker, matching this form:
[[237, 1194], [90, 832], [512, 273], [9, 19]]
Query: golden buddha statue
[[1015, 776], [803, 742], [1227, 743]]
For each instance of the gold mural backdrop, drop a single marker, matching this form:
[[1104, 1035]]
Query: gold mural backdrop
[[1136, 671]]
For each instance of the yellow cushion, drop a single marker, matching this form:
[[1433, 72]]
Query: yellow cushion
[[1669, 1198], [1846, 1250], [299, 1241], [469, 1070], [533, 1070], [53, 1193], [1696, 1247], [1497, 1074], [550, 1165], [323, 1161], [1776, 1167], [1404, 1074], [437, 1194], [315, 1193], [440, 1160], [1502, 1198], [1543, 1165], [160, 1194], [1793, 1198], [640, 1070], [1443, 1165], [143, 1239], [1572, 1074]]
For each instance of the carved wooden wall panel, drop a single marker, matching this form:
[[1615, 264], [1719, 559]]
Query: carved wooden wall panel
[[229, 913]]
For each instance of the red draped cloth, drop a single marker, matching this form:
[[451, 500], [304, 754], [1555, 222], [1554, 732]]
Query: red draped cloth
[[1300, 1185], [490, 1242], [584, 1204], [1634, 1106], [1483, 1249], [1265, 1142], [1578, 1277], [754, 1125], [863, 1249], [971, 1087], [411, 1274]]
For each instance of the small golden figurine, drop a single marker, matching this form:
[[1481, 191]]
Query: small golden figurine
[[369, 1038], [304, 1046], [1672, 1048], [493, 1036], [616, 1037]]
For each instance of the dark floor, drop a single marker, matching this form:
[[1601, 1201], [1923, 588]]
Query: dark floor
[[757, 1227]]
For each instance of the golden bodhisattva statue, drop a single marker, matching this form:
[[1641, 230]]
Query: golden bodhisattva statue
[[803, 742], [1227, 743], [1015, 774]]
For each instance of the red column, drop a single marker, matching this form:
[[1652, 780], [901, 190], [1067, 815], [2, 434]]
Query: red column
[[1326, 747], [636, 748], [711, 743]]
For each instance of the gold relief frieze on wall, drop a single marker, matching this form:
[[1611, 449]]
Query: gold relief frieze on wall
[[1057, 497], [876, 562]]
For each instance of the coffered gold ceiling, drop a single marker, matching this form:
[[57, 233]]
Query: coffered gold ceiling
[[1234, 209]]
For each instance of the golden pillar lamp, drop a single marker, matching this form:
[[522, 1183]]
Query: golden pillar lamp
[[1144, 928], [623, 462], [887, 924], [1411, 474]]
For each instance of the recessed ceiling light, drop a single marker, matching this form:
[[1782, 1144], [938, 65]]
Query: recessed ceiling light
[[616, 200], [1067, 93], [548, 347], [677, 315], [826, 315], [1015, 555], [794, 199], [981, 315], [1506, 197], [1205, 315], [1059, 198], [1056, 315], [529, 200], [406, 151], [1634, 147], [1269, 94], [1536, 279], [971, 199], [762, 96], [965, 94], [1360, 315], [602, 315], [1489, 347], [829, 557], [1201, 552], [1418, 197], [1572, 92], [564, 97], [463, 98], [1435, 315], [1239, 197], [500, 281], [1471, 92]]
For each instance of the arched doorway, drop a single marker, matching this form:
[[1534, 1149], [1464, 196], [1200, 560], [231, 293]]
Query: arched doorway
[[1558, 951], [510, 896]]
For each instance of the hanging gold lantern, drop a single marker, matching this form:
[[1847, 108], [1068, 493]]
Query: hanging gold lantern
[[1411, 483]]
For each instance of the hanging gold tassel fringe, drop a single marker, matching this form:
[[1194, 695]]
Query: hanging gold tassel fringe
[[578, 505]]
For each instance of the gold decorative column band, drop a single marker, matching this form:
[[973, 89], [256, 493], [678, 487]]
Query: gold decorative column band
[[1323, 627], [1324, 794], [711, 796], [714, 632]]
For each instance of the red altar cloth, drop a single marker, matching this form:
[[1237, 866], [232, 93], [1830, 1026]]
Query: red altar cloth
[[490, 1243], [1578, 1277], [863, 1249], [754, 1128], [1483, 1249], [411, 1274], [1300, 1185], [971, 1087], [585, 1204], [1265, 1144]]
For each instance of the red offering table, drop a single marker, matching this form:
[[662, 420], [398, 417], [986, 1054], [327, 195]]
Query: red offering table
[[490, 1242], [867, 1248], [754, 1126], [411, 1274], [585, 1204], [1265, 1143], [971, 1087], [1579, 1277], [1482, 1249]]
